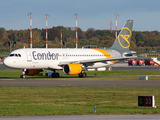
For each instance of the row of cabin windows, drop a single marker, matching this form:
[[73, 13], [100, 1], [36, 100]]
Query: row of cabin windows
[[83, 55], [16, 55]]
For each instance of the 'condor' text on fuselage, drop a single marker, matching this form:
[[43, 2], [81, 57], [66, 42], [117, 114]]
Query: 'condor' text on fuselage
[[45, 56]]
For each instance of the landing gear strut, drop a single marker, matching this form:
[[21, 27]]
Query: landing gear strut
[[82, 75]]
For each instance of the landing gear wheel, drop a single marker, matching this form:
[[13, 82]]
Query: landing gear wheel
[[22, 76], [55, 75], [82, 75]]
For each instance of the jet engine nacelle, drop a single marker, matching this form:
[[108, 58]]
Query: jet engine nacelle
[[72, 69], [31, 71]]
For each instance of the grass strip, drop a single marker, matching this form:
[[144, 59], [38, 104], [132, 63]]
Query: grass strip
[[16, 74], [17, 101]]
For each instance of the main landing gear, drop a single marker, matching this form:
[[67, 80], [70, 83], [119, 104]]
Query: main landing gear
[[55, 75], [81, 75]]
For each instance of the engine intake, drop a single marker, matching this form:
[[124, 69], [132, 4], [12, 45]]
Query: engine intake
[[72, 69]]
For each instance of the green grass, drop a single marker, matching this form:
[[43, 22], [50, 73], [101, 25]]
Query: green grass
[[74, 100], [17, 101], [10, 73], [112, 75]]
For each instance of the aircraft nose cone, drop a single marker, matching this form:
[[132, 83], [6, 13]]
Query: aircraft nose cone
[[5, 62], [11, 62]]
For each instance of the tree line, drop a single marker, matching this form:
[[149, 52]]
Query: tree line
[[140, 41]]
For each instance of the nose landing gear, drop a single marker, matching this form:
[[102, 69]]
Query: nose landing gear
[[23, 73]]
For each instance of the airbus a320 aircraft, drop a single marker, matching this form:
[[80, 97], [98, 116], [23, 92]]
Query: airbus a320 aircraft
[[71, 60]]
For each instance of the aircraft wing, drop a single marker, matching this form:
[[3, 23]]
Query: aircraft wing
[[96, 60]]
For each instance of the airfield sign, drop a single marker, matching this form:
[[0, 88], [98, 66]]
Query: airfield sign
[[146, 101]]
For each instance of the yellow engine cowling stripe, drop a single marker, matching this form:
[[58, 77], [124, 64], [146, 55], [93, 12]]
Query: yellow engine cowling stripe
[[105, 53], [75, 69]]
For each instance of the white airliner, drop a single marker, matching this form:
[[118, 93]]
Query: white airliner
[[71, 60]]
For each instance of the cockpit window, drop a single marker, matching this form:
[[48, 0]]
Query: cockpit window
[[16, 55], [11, 55]]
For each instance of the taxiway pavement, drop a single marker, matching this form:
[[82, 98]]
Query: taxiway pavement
[[77, 82], [84, 117]]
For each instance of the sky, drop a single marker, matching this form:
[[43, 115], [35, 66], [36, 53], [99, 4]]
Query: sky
[[95, 14]]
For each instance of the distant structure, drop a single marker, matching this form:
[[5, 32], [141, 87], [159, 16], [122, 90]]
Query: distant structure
[[111, 26], [116, 25], [61, 38], [30, 29], [76, 32], [46, 32]]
